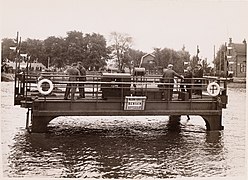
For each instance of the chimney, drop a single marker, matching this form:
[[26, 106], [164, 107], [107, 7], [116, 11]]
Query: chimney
[[230, 40]]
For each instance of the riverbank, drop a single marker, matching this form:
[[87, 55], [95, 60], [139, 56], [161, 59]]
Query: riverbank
[[236, 85], [239, 79]]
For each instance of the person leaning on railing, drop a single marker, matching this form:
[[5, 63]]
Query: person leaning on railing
[[168, 77], [81, 78], [73, 73]]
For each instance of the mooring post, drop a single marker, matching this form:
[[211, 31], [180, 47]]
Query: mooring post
[[175, 117], [27, 119], [213, 122], [174, 123]]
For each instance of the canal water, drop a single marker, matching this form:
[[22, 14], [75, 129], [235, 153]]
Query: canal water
[[123, 147]]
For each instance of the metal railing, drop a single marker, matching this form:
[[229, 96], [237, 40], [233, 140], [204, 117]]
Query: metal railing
[[116, 87]]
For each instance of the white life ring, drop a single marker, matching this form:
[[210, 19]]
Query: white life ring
[[213, 89], [39, 86]]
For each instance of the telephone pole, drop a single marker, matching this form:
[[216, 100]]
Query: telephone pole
[[197, 52]]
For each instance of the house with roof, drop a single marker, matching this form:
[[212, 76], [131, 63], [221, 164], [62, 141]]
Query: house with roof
[[236, 58], [149, 63], [147, 59]]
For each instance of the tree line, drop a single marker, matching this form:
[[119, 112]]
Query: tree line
[[92, 50]]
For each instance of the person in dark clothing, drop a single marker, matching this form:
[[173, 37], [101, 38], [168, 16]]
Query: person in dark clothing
[[198, 74], [187, 81], [73, 73], [81, 78], [168, 77], [186, 84]]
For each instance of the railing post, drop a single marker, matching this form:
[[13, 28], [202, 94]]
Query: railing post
[[27, 119]]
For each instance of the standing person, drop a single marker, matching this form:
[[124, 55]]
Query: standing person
[[198, 73], [73, 73], [82, 78], [168, 77], [187, 81]]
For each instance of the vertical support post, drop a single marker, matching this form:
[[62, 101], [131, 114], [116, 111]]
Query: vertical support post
[[220, 64], [174, 117], [27, 119], [93, 92], [96, 93], [174, 123], [39, 123], [120, 91], [225, 62]]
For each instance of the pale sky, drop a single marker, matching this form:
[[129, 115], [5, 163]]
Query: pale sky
[[151, 23]]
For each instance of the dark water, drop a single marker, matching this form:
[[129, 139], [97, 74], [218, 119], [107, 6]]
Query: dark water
[[123, 147]]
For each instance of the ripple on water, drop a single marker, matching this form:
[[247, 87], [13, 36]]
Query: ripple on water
[[123, 147]]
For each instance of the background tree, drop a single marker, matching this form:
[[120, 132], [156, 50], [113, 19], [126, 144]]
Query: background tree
[[120, 45], [220, 59], [75, 46], [34, 48], [135, 56], [55, 51], [184, 56], [96, 51], [194, 62], [6, 52], [169, 56], [207, 69], [92, 50]]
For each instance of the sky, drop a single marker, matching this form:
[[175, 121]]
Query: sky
[[151, 23]]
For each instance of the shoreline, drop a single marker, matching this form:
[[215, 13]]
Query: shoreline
[[236, 84]]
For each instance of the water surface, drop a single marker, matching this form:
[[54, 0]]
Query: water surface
[[123, 147]]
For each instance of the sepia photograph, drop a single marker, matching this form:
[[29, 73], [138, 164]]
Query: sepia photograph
[[124, 89]]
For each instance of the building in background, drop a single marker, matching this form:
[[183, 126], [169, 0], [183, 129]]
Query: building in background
[[149, 63], [236, 57]]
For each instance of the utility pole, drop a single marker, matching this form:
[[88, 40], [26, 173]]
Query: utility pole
[[214, 52], [16, 51], [48, 62], [197, 52], [215, 64], [220, 64], [225, 62], [17, 59]]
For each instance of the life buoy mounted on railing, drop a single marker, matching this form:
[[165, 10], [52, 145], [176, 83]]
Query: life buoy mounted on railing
[[213, 89], [39, 86]]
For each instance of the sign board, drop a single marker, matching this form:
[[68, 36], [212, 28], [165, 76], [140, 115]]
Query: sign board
[[135, 103]]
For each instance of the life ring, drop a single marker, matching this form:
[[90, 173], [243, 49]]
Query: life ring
[[39, 86], [213, 89]]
